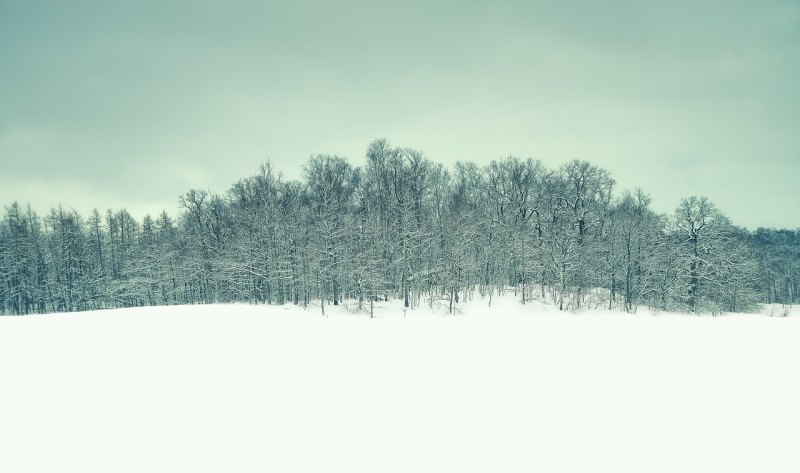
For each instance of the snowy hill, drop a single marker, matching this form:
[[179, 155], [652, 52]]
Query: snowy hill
[[507, 388]]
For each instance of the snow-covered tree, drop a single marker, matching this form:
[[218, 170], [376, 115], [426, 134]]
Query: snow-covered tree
[[400, 227]]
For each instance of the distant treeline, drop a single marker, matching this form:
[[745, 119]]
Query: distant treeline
[[400, 227]]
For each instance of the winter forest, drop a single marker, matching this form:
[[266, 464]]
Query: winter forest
[[400, 227]]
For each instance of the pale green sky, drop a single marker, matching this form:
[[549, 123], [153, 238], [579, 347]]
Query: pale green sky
[[104, 105]]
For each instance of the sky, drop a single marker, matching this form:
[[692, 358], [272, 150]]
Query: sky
[[131, 104]]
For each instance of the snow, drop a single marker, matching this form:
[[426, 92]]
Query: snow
[[507, 388]]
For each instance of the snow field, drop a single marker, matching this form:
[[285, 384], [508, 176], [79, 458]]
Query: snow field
[[507, 388]]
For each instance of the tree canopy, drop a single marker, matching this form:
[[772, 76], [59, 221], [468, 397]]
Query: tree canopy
[[405, 227]]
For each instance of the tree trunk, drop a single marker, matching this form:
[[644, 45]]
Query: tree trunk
[[451, 300]]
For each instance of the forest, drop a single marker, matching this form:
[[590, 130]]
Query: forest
[[401, 227]]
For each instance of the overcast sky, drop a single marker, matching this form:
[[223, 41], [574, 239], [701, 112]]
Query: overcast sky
[[111, 105]]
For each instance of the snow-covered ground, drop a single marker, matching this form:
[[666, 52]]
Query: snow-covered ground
[[234, 388]]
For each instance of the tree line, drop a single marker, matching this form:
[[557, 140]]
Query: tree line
[[400, 227]]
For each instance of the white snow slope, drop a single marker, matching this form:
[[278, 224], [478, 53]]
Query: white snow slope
[[238, 388]]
